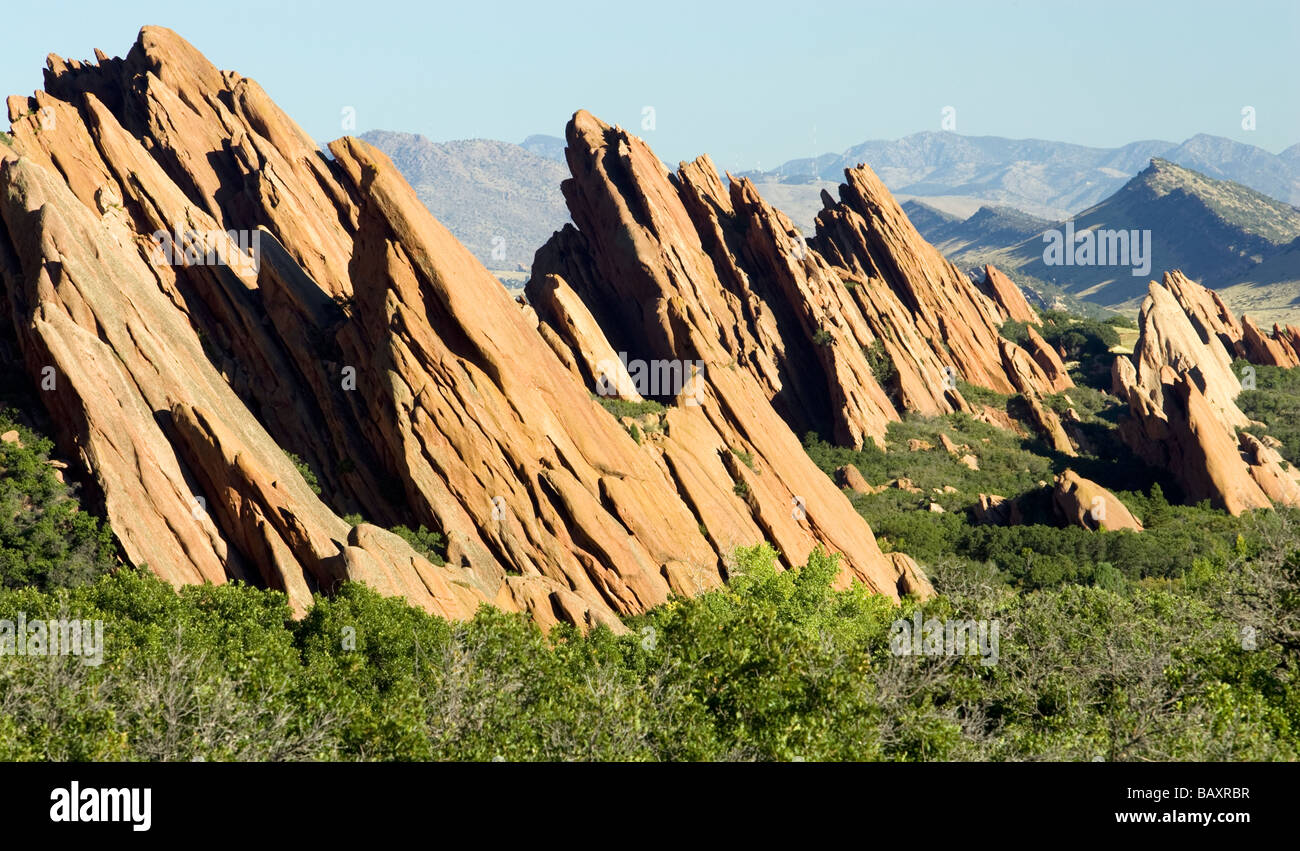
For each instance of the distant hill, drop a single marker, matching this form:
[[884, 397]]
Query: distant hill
[[501, 200], [549, 147], [929, 220], [1271, 290], [989, 229], [1225, 235], [1216, 231]]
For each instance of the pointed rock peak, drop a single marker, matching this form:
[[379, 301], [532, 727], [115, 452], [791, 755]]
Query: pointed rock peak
[[1008, 297], [584, 123]]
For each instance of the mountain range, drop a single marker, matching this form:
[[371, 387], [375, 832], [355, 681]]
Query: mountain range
[[1226, 235], [1048, 179]]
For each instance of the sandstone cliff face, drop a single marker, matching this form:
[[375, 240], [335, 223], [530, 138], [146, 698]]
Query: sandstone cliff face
[[1241, 339], [841, 333], [361, 336], [1181, 392], [1007, 297]]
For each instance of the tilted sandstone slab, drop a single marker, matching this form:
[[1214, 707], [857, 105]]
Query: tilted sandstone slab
[[1026, 377], [1167, 339], [1290, 338], [194, 486], [1181, 391], [600, 365], [1007, 297], [675, 269], [1260, 348], [1206, 311], [819, 324], [1054, 371], [867, 234]]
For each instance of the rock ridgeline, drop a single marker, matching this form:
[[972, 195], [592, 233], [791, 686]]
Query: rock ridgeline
[[1181, 390], [839, 333], [308, 302]]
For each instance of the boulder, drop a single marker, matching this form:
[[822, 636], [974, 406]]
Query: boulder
[[1083, 502], [994, 510], [849, 477]]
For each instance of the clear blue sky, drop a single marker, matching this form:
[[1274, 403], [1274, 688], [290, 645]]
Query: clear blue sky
[[749, 82]]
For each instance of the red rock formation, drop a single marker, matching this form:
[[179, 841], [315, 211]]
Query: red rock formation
[[869, 238], [1183, 417], [1027, 377], [722, 276], [1206, 311], [1290, 338], [371, 343], [1211, 317], [679, 270], [1049, 362], [994, 510], [848, 476], [1259, 348], [1168, 339], [683, 270], [1007, 297]]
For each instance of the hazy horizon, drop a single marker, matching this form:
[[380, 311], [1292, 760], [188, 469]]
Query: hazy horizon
[[560, 136]]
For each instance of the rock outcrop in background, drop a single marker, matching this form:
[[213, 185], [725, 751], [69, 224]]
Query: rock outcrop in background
[[841, 332], [1181, 390]]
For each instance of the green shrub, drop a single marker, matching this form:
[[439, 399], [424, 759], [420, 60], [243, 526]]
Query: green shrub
[[746, 458], [431, 545], [305, 470], [882, 366], [621, 408], [46, 539], [776, 665], [1274, 401]]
